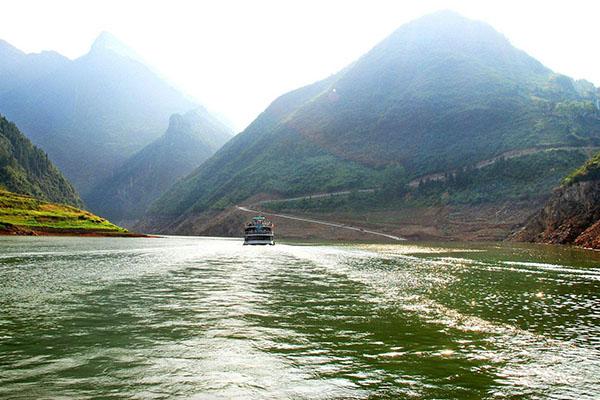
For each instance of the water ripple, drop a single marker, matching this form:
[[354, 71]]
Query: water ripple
[[209, 318]]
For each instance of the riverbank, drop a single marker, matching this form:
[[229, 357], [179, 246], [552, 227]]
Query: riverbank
[[13, 230], [22, 215], [485, 222]]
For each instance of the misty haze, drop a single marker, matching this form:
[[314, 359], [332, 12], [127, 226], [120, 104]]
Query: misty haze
[[299, 200]]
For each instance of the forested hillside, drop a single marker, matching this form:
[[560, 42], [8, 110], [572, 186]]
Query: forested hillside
[[439, 95], [26, 169]]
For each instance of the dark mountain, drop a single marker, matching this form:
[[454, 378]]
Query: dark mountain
[[572, 214], [190, 139], [439, 95], [92, 113], [27, 170]]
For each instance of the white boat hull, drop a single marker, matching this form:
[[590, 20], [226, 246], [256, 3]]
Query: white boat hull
[[259, 242]]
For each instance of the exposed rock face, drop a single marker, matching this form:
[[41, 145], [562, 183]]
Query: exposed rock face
[[590, 238], [571, 216]]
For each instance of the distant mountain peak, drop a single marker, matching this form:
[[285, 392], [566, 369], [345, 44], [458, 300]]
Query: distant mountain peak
[[441, 93], [190, 139], [106, 41], [177, 123], [7, 48], [449, 22], [185, 124]]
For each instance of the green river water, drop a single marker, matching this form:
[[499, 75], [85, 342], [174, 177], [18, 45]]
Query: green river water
[[210, 318]]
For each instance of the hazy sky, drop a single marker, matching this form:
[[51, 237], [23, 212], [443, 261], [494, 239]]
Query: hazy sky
[[238, 56]]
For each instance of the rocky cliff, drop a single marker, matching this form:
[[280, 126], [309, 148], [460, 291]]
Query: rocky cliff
[[571, 216]]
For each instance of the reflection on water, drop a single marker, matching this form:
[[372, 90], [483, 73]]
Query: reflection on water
[[210, 318]]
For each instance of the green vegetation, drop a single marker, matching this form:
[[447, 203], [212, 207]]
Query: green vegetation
[[89, 114], [355, 202], [31, 213], [587, 172], [190, 139], [523, 178], [439, 95], [26, 169], [505, 180], [570, 215]]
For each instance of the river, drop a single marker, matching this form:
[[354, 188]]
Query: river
[[210, 318]]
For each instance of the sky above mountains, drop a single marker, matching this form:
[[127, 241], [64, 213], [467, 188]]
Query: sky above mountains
[[238, 56]]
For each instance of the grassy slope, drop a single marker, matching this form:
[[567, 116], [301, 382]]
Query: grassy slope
[[425, 100], [588, 171], [37, 215], [506, 180]]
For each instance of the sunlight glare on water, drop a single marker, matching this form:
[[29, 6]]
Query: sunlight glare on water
[[210, 318]]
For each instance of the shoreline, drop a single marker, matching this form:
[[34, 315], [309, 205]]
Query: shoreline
[[20, 231], [15, 230]]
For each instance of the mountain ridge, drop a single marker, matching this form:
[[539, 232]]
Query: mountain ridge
[[440, 93], [189, 140], [96, 110], [18, 67]]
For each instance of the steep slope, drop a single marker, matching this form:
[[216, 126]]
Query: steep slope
[[572, 214], [440, 94], [26, 169], [92, 113], [190, 139]]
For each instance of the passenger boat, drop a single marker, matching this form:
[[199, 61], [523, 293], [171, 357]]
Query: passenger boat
[[258, 231]]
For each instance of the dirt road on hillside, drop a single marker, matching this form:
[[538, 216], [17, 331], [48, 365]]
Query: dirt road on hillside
[[314, 221]]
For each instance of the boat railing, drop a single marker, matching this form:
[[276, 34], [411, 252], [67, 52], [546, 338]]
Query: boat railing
[[267, 224]]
